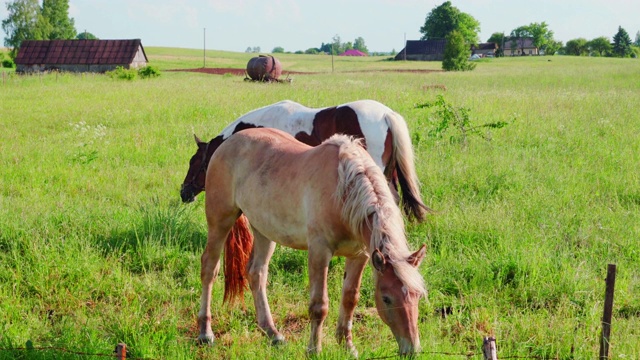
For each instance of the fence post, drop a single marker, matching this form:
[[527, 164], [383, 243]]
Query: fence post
[[489, 348], [608, 310], [121, 351]]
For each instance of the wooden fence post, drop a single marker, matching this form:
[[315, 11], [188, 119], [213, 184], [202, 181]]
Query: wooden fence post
[[489, 348], [121, 351], [608, 310]]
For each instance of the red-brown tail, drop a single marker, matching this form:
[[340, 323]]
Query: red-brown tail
[[237, 250]]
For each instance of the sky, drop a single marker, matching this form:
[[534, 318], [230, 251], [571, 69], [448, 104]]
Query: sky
[[235, 25]]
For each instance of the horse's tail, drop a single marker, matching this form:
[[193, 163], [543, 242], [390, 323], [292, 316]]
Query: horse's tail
[[237, 250], [403, 168]]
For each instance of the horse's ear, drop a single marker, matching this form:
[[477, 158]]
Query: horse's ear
[[416, 258], [198, 141], [378, 261]]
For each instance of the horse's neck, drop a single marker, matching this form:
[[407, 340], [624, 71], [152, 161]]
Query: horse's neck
[[213, 146]]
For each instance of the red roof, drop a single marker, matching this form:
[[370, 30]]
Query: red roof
[[89, 52], [353, 52]]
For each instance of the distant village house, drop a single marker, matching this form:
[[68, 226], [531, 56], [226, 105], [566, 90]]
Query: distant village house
[[520, 47], [79, 55], [423, 50], [433, 50]]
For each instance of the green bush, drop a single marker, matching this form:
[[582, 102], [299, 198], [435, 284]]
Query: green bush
[[8, 63], [148, 72], [122, 73]]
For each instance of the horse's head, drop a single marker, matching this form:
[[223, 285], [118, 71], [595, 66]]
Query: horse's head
[[194, 181], [397, 303]]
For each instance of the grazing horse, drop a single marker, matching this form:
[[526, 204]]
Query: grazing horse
[[331, 200], [384, 131]]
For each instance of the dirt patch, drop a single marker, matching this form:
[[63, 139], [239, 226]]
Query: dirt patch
[[242, 72]]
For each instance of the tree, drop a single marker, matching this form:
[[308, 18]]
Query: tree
[[600, 46], [278, 50], [577, 47], [553, 47], [444, 19], [24, 22], [541, 35], [622, 43], [86, 36], [56, 14], [637, 42], [498, 38], [358, 44], [456, 53]]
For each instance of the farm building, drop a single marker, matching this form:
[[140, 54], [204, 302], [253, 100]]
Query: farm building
[[484, 49], [79, 55], [353, 52], [425, 50], [519, 47]]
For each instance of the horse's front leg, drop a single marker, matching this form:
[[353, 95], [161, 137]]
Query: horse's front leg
[[258, 270], [210, 267], [354, 267], [319, 305]]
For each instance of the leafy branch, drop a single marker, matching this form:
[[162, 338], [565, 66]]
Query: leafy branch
[[453, 120]]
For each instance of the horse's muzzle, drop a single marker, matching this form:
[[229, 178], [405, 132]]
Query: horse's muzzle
[[187, 194]]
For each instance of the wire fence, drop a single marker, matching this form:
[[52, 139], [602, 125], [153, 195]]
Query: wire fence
[[489, 350]]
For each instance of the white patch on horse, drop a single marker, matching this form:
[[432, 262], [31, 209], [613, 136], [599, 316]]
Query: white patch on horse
[[286, 115], [372, 126]]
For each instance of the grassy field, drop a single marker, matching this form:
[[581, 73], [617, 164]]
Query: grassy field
[[96, 247]]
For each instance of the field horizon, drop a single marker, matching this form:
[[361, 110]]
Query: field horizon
[[97, 249]]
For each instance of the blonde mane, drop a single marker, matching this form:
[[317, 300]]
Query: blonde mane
[[367, 202]]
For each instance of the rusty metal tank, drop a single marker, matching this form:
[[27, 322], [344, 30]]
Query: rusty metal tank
[[264, 68]]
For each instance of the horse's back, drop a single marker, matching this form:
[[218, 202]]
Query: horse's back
[[285, 188]]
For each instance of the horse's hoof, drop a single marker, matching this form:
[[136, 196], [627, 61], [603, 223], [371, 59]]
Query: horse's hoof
[[277, 340], [353, 352], [206, 339]]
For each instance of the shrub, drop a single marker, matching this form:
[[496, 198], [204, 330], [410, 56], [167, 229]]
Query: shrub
[[122, 73], [456, 53], [148, 72], [8, 63], [447, 116]]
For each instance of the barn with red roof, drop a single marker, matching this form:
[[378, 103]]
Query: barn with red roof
[[79, 55]]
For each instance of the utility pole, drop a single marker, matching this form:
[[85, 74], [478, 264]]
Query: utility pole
[[204, 48], [405, 46]]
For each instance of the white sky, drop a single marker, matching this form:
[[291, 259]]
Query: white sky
[[294, 25]]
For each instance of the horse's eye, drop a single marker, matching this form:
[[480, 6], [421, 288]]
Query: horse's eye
[[386, 300]]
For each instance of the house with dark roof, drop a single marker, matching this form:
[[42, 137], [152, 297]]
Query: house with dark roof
[[79, 55], [425, 50], [519, 47], [484, 49]]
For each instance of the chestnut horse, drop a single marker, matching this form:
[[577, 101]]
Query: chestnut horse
[[331, 200], [384, 131]]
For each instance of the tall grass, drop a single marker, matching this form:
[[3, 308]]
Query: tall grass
[[96, 249]]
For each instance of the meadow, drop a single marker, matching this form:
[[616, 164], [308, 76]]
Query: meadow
[[96, 247]]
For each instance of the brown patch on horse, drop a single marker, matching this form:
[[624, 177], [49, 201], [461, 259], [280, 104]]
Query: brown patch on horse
[[331, 121], [243, 126], [237, 250]]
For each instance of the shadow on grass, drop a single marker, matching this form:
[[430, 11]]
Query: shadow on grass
[[161, 237]]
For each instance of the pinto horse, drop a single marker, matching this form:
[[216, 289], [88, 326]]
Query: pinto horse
[[384, 131], [331, 200]]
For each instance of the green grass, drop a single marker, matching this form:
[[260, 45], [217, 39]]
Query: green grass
[[96, 248]]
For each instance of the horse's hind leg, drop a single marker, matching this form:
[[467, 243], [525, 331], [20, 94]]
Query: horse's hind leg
[[258, 270], [210, 267], [350, 293]]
